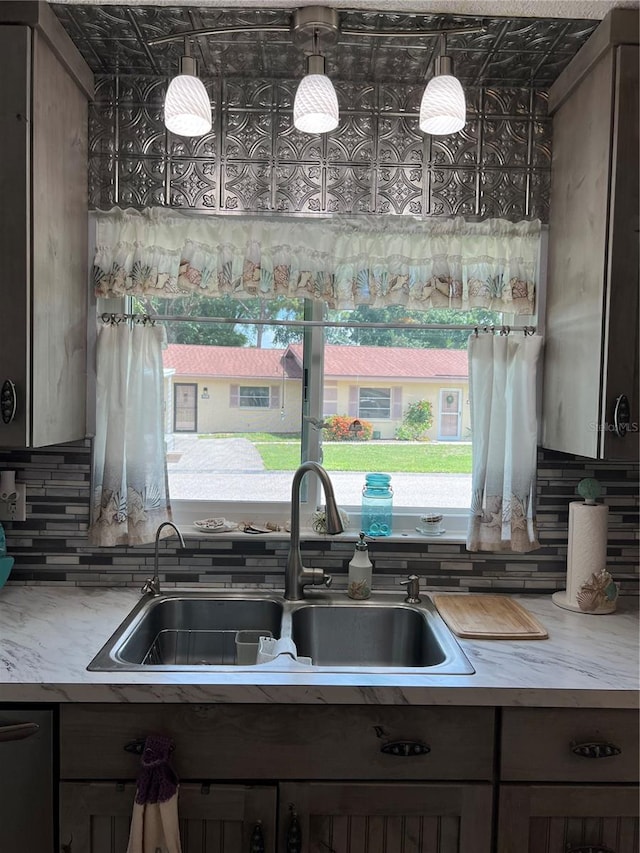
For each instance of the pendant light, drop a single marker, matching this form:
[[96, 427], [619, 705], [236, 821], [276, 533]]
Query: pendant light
[[315, 108], [314, 30], [187, 109], [443, 109]]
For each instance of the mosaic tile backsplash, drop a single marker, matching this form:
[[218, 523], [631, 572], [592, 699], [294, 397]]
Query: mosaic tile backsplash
[[51, 546]]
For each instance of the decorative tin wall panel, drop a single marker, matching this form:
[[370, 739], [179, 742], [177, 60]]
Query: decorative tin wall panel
[[376, 161]]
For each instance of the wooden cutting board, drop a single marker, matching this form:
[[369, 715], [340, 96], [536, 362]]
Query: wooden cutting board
[[488, 617]]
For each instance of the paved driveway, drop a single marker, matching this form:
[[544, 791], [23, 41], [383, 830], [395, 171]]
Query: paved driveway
[[232, 469]]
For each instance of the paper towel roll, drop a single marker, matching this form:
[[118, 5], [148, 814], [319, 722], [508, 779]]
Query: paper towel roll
[[587, 547]]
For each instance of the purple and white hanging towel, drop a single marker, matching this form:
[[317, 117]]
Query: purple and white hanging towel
[[154, 820]]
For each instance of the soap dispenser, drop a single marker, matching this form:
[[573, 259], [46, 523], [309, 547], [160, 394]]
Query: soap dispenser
[[360, 569]]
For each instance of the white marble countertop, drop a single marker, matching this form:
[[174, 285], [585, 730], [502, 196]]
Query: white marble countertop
[[48, 635]]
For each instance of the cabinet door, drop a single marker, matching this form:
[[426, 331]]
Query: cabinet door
[[386, 818], [15, 131], [562, 819], [94, 817], [26, 780], [43, 235], [621, 313], [591, 334]]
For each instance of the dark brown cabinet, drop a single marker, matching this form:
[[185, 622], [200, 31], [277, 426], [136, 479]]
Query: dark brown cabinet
[[563, 819], [44, 90], [329, 764], [560, 779], [95, 817], [591, 334], [387, 818], [568, 781]]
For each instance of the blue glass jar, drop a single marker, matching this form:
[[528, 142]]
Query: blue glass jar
[[377, 505]]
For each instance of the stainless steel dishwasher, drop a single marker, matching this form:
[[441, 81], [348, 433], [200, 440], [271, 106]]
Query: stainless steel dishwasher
[[26, 780]]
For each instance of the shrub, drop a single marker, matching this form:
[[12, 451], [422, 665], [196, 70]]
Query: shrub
[[339, 428], [418, 418]]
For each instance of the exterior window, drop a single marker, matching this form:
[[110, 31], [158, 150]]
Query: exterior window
[[253, 398], [374, 403], [280, 394]]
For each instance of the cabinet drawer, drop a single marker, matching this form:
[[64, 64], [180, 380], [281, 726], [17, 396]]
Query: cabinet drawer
[[569, 745], [281, 741]]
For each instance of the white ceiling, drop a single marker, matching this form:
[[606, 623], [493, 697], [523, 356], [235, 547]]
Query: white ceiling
[[576, 9]]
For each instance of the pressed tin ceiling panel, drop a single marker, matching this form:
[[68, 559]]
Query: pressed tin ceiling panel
[[510, 52], [515, 8]]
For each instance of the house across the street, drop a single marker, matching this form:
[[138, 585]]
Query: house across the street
[[213, 389]]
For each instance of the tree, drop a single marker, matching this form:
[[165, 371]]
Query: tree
[[403, 335], [238, 334], [399, 331]]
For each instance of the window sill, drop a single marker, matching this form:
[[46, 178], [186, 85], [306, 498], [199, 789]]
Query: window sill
[[454, 524]]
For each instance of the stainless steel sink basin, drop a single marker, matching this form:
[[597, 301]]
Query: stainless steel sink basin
[[187, 631], [373, 635], [193, 631]]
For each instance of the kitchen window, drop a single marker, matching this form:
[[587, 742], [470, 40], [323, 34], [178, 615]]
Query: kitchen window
[[292, 388], [297, 343]]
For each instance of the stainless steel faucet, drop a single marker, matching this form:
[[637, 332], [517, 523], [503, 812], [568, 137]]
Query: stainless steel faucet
[[296, 576], [152, 585]]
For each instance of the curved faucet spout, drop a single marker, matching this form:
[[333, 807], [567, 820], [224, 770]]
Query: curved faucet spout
[[152, 585], [296, 576]]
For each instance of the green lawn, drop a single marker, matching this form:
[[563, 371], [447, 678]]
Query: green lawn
[[281, 452], [370, 456]]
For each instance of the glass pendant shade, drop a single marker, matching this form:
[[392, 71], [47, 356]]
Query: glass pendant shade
[[315, 108], [187, 109], [443, 109]]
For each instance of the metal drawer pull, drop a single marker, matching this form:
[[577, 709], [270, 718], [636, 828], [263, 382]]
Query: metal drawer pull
[[405, 748], [257, 839], [596, 749], [17, 731]]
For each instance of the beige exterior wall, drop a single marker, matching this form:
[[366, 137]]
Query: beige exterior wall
[[411, 393], [215, 413]]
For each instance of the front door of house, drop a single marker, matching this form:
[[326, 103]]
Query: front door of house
[[185, 396], [450, 417]]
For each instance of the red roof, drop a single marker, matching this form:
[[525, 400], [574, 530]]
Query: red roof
[[391, 362], [340, 362], [196, 360]]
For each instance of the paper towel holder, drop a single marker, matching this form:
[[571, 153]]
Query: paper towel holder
[[597, 592]]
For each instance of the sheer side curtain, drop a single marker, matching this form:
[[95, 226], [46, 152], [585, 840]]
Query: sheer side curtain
[[502, 394], [343, 262], [130, 495]]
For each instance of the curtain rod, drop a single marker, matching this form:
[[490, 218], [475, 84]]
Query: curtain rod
[[305, 324]]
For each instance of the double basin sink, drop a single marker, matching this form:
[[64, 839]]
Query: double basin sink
[[192, 631]]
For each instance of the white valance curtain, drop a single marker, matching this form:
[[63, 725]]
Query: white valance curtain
[[344, 261], [502, 396], [130, 496]]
